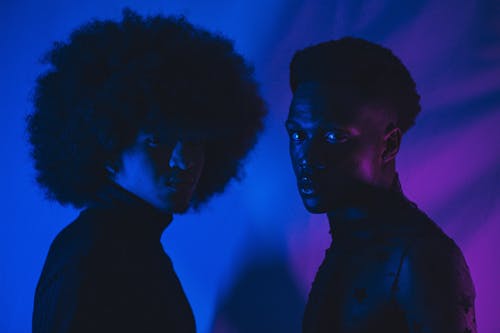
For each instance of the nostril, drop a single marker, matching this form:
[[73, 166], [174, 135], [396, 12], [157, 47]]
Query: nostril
[[181, 163]]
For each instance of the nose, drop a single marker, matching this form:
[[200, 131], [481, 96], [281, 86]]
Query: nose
[[181, 157], [311, 155]]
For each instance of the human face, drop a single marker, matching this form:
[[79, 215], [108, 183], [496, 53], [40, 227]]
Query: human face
[[162, 170], [336, 145]]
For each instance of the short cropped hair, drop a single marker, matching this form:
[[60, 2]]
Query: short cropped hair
[[375, 74], [112, 79]]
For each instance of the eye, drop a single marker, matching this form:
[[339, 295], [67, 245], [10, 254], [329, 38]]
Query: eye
[[297, 135], [152, 141], [333, 137]]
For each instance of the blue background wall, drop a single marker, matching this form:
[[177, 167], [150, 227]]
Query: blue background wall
[[250, 266]]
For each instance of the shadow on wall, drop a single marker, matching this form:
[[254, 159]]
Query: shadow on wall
[[262, 298]]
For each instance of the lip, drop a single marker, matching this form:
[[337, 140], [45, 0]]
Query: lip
[[178, 183], [306, 186], [180, 188]]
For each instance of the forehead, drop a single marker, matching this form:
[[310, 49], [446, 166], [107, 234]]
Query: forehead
[[340, 105]]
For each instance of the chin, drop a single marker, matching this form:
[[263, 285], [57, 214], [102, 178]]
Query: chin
[[320, 205], [314, 206], [180, 207], [177, 202]]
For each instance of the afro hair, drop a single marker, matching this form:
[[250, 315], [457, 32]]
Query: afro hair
[[112, 79]]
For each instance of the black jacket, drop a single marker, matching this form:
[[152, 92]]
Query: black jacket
[[392, 271], [107, 272]]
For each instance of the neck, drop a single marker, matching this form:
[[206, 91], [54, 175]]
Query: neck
[[114, 192], [388, 176], [366, 203]]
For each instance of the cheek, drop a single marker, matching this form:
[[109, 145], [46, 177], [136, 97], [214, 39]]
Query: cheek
[[353, 160], [365, 170], [367, 164], [294, 157]]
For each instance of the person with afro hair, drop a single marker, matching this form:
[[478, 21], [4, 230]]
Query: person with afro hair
[[134, 121], [389, 268]]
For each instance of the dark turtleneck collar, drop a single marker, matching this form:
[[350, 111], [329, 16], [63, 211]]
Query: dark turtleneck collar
[[136, 213], [371, 202]]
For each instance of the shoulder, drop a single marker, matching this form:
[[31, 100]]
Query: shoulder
[[435, 287], [428, 249], [435, 255], [430, 254], [77, 277], [75, 246], [404, 227]]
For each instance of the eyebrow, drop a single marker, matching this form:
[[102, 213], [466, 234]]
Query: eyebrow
[[293, 124], [298, 106], [290, 124]]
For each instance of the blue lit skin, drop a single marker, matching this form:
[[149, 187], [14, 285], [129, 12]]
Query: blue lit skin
[[161, 170], [336, 146]]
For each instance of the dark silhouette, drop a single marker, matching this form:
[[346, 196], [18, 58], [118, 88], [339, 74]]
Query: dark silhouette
[[390, 268], [134, 121]]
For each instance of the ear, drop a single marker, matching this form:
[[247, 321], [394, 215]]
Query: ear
[[392, 140]]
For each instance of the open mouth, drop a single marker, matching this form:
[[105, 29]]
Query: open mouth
[[307, 190], [306, 186]]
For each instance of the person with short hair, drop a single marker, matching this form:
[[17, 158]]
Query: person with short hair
[[134, 121], [389, 268]]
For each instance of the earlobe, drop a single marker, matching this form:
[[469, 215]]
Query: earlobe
[[392, 142]]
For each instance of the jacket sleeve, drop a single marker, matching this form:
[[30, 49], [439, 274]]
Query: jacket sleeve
[[435, 289]]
